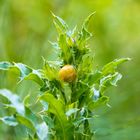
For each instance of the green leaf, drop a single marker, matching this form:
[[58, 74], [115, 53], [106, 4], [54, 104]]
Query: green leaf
[[26, 100], [93, 77], [23, 115], [9, 120], [115, 79], [49, 121], [101, 101], [96, 95], [111, 67], [31, 116], [79, 121], [50, 70], [55, 45], [5, 65], [10, 108], [14, 100], [65, 49], [86, 22], [35, 75], [45, 105], [85, 34], [64, 127], [67, 92], [25, 71], [42, 131], [109, 80], [71, 111], [29, 74], [26, 122], [80, 90], [87, 60], [60, 24], [72, 33]]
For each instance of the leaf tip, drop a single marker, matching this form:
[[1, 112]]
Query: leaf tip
[[52, 14]]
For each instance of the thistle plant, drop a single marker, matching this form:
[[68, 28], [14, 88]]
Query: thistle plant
[[71, 89]]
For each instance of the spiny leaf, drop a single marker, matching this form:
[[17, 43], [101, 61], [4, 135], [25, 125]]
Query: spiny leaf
[[49, 121], [42, 131], [23, 115], [109, 80], [85, 34], [49, 70], [14, 100], [71, 111], [9, 120], [65, 49], [57, 108], [26, 122], [5, 65], [111, 67], [92, 78], [26, 100], [60, 24], [87, 60], [25, 71], [86, 22], [55, 45], [72, 33], [94, 104], [31, 116], [115, 79]]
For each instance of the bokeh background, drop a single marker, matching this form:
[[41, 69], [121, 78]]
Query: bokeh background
[[25, 28]]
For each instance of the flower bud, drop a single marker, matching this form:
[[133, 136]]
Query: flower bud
[[67, 73]]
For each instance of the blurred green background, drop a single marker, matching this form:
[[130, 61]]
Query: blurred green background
[[25, 28]]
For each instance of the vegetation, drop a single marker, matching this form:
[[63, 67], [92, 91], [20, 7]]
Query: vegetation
[[25, 28], [71, 88]]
